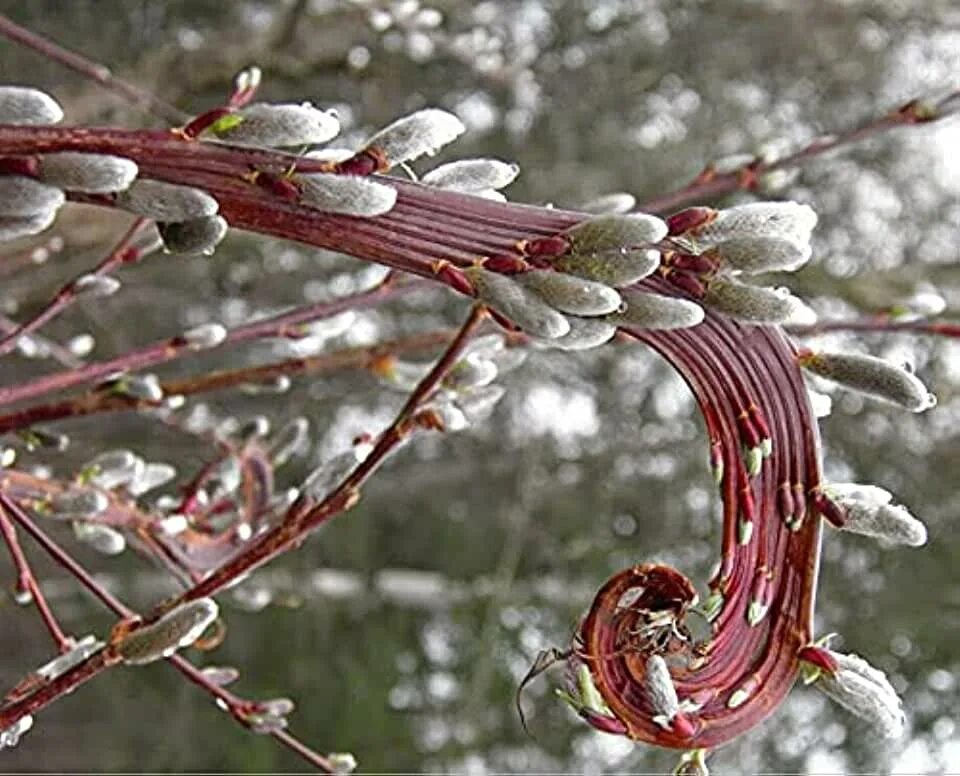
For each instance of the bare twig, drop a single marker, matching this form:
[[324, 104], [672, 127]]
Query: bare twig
[[124, 252], [97, 72], [710, 184]]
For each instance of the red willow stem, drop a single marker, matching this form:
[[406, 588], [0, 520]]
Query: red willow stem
[[429, 227], [763, 656], [99, 73], [122, 253]]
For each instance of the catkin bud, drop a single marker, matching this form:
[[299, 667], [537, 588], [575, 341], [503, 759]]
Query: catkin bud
[[79, 651], [615, 231], [868, 511], [472, 175], [10, 736], [145, 387], [178, 628], [653, 311], [571, 294], [515, 302], [87, 173], [277, 125], [193, 236], [112, 468], [207, 335], [71, 505], [95, 286], [410, 137], [872, 376], [471, 371], [346, 194], [342, 763], [615, 203], [615, 267], [865, 691], [291, 440], [782, 220], [753, 304], [478, 404], [661, 692], [13, 227], [102, 538], [221, 676], [166, 201], [585, 333], [153, 476], [29, 107], [22, 197], [762, 254]]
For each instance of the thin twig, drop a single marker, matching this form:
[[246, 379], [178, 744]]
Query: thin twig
[[880, 324], [95, 665], [27, 581], [172, 348], [710, 185], [98, 401], [124, 252], [99, 73], [306, 514]]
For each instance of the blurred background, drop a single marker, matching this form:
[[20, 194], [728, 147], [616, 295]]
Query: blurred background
[[402, 629]]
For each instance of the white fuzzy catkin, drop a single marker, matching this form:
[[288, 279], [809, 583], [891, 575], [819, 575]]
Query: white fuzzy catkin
[[163, 201], [196, 236], [584, 334], [870, 513], [783, 220], [654, 311], [95, 286], [180, 627], [617, 267], [206, 335], [28, 107], [615, 203], [762, 254], [14, 227], [607, 232], [22, 197], [87, 173], [279, 125], [756, 304], [291, 440], [102, 538], [661, 692], [420, 133], [569, 294], [73, 504], [865, 691], [153, 476], [472, 175], [872, 376], [525, 308], [346, 194]]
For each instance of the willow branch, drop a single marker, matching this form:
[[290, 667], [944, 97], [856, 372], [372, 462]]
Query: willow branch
[[711, 184], [96, 72]]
